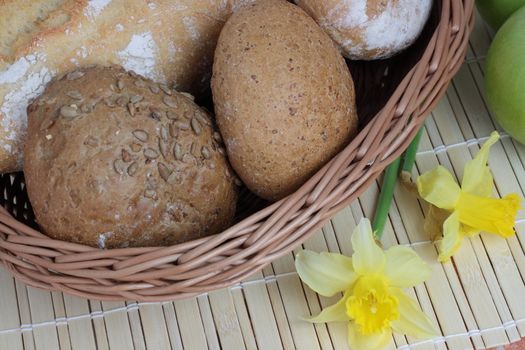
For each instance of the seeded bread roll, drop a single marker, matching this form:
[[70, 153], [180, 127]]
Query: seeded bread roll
[[370, 29], [115, 160], [169, 41]]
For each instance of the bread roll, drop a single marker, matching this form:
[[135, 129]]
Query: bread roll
[[169, 41], [284, 97], [370, 29], [114, 160]]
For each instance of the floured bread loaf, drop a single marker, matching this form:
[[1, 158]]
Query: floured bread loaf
[[169, 41], [370, 29]]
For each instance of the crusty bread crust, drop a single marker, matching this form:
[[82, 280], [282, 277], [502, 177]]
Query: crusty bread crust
[[169, 41], [114, 160]]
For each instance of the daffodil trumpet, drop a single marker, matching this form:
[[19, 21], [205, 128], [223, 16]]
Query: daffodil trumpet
[[466, 210], [372, 281]]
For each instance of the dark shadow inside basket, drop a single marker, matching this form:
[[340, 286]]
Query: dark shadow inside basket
[[375, 81]]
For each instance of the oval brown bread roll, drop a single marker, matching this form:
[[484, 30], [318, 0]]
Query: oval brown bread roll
[[116, 160], [284, 97]]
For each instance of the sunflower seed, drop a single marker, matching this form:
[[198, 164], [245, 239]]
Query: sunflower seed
[[172, 115], [188, 95], [155, 114], [122, 101], [211, 165], [155, 89], [136, 98], [150, 153], [177, 151], [202, 118], [126, 157], [169, 101], [46, 124], [135, 147], [164, 134], [217, 137], [75, 95], [164, 171], [132, 168], [205, 152], [151, 184], [110, 102], [141, 135], [86, 108], [75, 75], [150, 194], [68, 112], [139, 83], [119, 166], [181, 125], [175, 178], [173, 131], [196, 126], [164, 149], [227, 172], [194, 149], [166, 89], [131, 109], [120, 84]]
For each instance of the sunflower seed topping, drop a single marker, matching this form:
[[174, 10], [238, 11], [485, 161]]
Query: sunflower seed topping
[[164, 133], [119, 166], [164, 149], [169, 101], [136, 98], [75, 75], [172, 115], [68, 112], [154, 88], [164, 171], [74, 94], [177, 151], [126, 157], [196, 126], [131, 109], [141, 135], [166, 89], [205, 152], [120, 84], [150, 194], [122, 101], [135, 147], [132, 168], [188, 95], [150, 153]]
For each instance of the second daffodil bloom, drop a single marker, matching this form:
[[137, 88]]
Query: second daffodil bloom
[[372, 283], [469, 209]]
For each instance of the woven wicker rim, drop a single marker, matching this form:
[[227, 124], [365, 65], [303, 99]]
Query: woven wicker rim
[[189, 269]]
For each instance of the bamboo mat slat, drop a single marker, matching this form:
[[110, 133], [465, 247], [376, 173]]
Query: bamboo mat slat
[[478, 300]]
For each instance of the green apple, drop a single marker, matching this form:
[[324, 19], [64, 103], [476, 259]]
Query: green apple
[[505, 76], [496, 12]]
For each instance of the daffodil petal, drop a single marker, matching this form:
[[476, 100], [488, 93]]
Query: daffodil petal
[[451, 238], [359, 341], [325, 273], [438, 187], [404, 268], [368, 257], [412, 321], [333, 313], [477, 179]]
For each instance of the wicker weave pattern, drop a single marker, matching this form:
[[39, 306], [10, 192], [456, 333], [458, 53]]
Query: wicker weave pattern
[[399, 94]]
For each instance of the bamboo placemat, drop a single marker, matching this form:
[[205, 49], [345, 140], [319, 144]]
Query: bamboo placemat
[[478, 301]]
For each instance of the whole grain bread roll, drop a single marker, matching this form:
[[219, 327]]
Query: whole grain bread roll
[[284, 97], [115, 160], [169, 41]]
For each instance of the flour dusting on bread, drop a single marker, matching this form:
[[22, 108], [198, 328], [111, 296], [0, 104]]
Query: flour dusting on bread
[[140, 56], [95, 7]]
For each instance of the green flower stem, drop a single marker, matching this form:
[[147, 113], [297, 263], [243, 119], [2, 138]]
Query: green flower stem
[[389, 183], [385, 198], [409, 158]]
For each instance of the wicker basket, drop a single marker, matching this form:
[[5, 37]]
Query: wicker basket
[[394, 97]]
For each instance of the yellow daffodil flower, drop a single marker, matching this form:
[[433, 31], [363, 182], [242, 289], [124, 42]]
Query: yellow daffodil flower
[[373, 303], [469, 209]]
